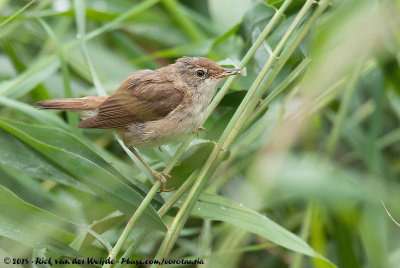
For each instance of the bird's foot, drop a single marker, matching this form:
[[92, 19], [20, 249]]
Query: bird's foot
[[162, 177], [202, 129], [196, 131]]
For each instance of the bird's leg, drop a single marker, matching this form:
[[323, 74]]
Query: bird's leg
[[162, 177]]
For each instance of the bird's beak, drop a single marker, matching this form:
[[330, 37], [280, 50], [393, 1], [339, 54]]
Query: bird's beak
[[228, 71]]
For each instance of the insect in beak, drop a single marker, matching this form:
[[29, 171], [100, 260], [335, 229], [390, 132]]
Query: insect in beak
[[227, 72]]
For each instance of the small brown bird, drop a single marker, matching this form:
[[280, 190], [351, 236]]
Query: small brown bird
[[151, 108]]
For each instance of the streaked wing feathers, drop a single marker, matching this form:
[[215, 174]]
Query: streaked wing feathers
[[141, 97]]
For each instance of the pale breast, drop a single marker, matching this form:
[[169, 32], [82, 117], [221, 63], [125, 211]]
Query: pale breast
[[172, 128], [182, 121]]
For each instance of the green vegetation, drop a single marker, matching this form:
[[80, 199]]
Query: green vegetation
[[299, 156]]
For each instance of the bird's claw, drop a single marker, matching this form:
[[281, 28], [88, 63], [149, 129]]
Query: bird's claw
[[202, 129], [196, 131], [162, 177]]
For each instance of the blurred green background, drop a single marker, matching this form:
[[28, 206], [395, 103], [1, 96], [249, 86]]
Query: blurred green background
[[301, 177]]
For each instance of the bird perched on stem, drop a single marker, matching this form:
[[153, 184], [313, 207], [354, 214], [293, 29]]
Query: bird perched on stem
[[152, 108]]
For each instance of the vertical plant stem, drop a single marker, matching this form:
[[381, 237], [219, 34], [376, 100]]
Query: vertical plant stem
[[134, 219], [332, 141], [281, 87], [267, 30], [181, 17], [227, 84], [162, 211], [304, 233], [251, 97], [72, 118], [80, 8], [228, 135], [135, 10], [80, 18], [80, 11], [250, 53], [178, 194], [52, 60], [344, 106]]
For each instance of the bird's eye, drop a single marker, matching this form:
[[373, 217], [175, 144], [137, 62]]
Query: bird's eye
[[200, 73]]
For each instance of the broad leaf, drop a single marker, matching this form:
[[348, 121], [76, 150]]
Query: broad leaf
[[70, 153], [219, 208]]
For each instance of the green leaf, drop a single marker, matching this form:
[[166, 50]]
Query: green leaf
[[34, 227], [46, 66], [30, 78], [193, 158], [227, 13], [17, 155], [20, 221], [72, 118], [256, 17], [200, 48], [43, 117], [80, 10], [10, 18], [70, 153], [215, 207], [101, 226], [4, 254], [233, 99], [19, 62]]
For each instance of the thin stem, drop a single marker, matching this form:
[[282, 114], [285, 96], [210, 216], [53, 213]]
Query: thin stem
[[333, 138], [389, 139], [135, 10], [182, 148], [80, 18], [344, 106], [228, 83], [10, 18], [279, 89], [388, 213], [72, 118], [304, 233], [251, 97], [198, 186], [249, 55], [162, 211], [131, 249], [328, 95], [52, 60], [181, 17], [178, 194], [133, 220], [80, 14]]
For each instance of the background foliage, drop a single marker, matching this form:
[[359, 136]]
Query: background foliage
[[307, 145]]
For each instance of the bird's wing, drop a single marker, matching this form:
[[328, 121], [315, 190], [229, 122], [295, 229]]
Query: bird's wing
[[140, 98]]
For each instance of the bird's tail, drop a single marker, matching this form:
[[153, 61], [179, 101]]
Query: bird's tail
[[77, 104]]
